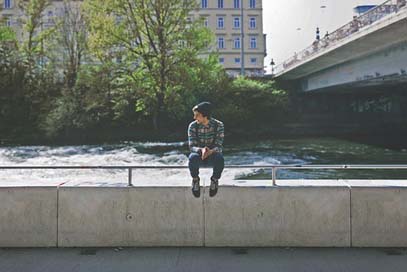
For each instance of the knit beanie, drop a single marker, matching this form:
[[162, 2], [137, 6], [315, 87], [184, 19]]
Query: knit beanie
[[204, 107]]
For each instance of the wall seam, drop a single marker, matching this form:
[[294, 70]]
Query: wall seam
[[350, 217]]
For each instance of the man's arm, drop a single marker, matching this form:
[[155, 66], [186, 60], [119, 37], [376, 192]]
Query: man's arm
[[193, 141], [220, 135]]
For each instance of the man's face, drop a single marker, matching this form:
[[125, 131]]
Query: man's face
[[198, 117]]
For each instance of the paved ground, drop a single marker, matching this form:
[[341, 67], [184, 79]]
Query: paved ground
[[202, 259]]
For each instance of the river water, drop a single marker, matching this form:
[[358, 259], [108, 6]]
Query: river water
[[292, 151]]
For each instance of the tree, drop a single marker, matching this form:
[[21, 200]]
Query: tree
[[154, 39], [32, 24], [26, 86], [70, 41], [253, 103], [7, 34]]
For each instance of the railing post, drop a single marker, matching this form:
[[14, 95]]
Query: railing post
[[130, 177], [274, 175]]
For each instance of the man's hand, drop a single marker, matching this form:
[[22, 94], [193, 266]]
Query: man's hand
[[206, 152]]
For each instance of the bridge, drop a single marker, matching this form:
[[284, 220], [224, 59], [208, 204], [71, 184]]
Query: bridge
[[369, 51]]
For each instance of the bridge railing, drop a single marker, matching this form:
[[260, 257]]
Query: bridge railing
[[275, 168], [365, 19]]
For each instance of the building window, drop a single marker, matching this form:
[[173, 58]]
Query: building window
[[206, 21], [252, 3], [50, 17], [221, 22], [221, 43], [252, 22], [236, 4], [8, 21], [253, 60], [253, 42], [222, 60], [7, 4], [237, 60], [220, 3], [204, 3], [236, 22], [237, 43], [182, 43]]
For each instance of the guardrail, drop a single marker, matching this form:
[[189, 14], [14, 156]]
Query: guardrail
[[359, 22], [274, 168]]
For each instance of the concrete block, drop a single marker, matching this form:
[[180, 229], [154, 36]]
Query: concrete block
[[379, 216], [135, 216], [278, 216], [28, 216]]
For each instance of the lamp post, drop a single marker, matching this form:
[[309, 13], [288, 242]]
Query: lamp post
[[42, 45], [272, 66], [322, 8]]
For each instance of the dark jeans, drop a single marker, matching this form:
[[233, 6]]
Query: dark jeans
[[215, 160]]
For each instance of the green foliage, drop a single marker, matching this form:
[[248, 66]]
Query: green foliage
[[35, 35], [25, 92], [7, 34], [156, 39], [246, 103], [68, 47], [161, 75], [84, 107]]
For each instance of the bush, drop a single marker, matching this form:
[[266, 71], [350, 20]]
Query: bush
[[246, 103]]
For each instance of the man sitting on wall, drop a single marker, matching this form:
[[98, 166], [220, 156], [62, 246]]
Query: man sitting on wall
[[205, 139]]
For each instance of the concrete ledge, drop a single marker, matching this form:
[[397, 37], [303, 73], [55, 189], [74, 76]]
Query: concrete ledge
[[135, 216], [327, 213], [28, 216], [379, 217], [278, 216]]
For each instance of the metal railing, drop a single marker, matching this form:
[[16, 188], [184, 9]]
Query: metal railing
[[359, 22], [274, 168]]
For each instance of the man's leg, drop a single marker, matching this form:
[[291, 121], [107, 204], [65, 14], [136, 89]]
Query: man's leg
[[218, 163], [194, 162]]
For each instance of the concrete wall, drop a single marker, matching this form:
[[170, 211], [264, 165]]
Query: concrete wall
[[358, 214], [28, 216], [379, 217], [278, 216], [390, 63], [137, 216]]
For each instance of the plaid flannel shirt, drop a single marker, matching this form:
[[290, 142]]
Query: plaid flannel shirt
[[206, 136]]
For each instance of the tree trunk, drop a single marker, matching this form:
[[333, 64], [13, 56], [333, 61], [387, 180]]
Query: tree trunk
[[155, 121], [157, 117]]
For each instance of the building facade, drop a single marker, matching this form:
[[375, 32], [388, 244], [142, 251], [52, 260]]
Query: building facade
[[240, 41], [11, 15], [236, 35]]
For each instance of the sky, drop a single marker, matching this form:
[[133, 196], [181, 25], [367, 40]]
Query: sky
[[290, 25]]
